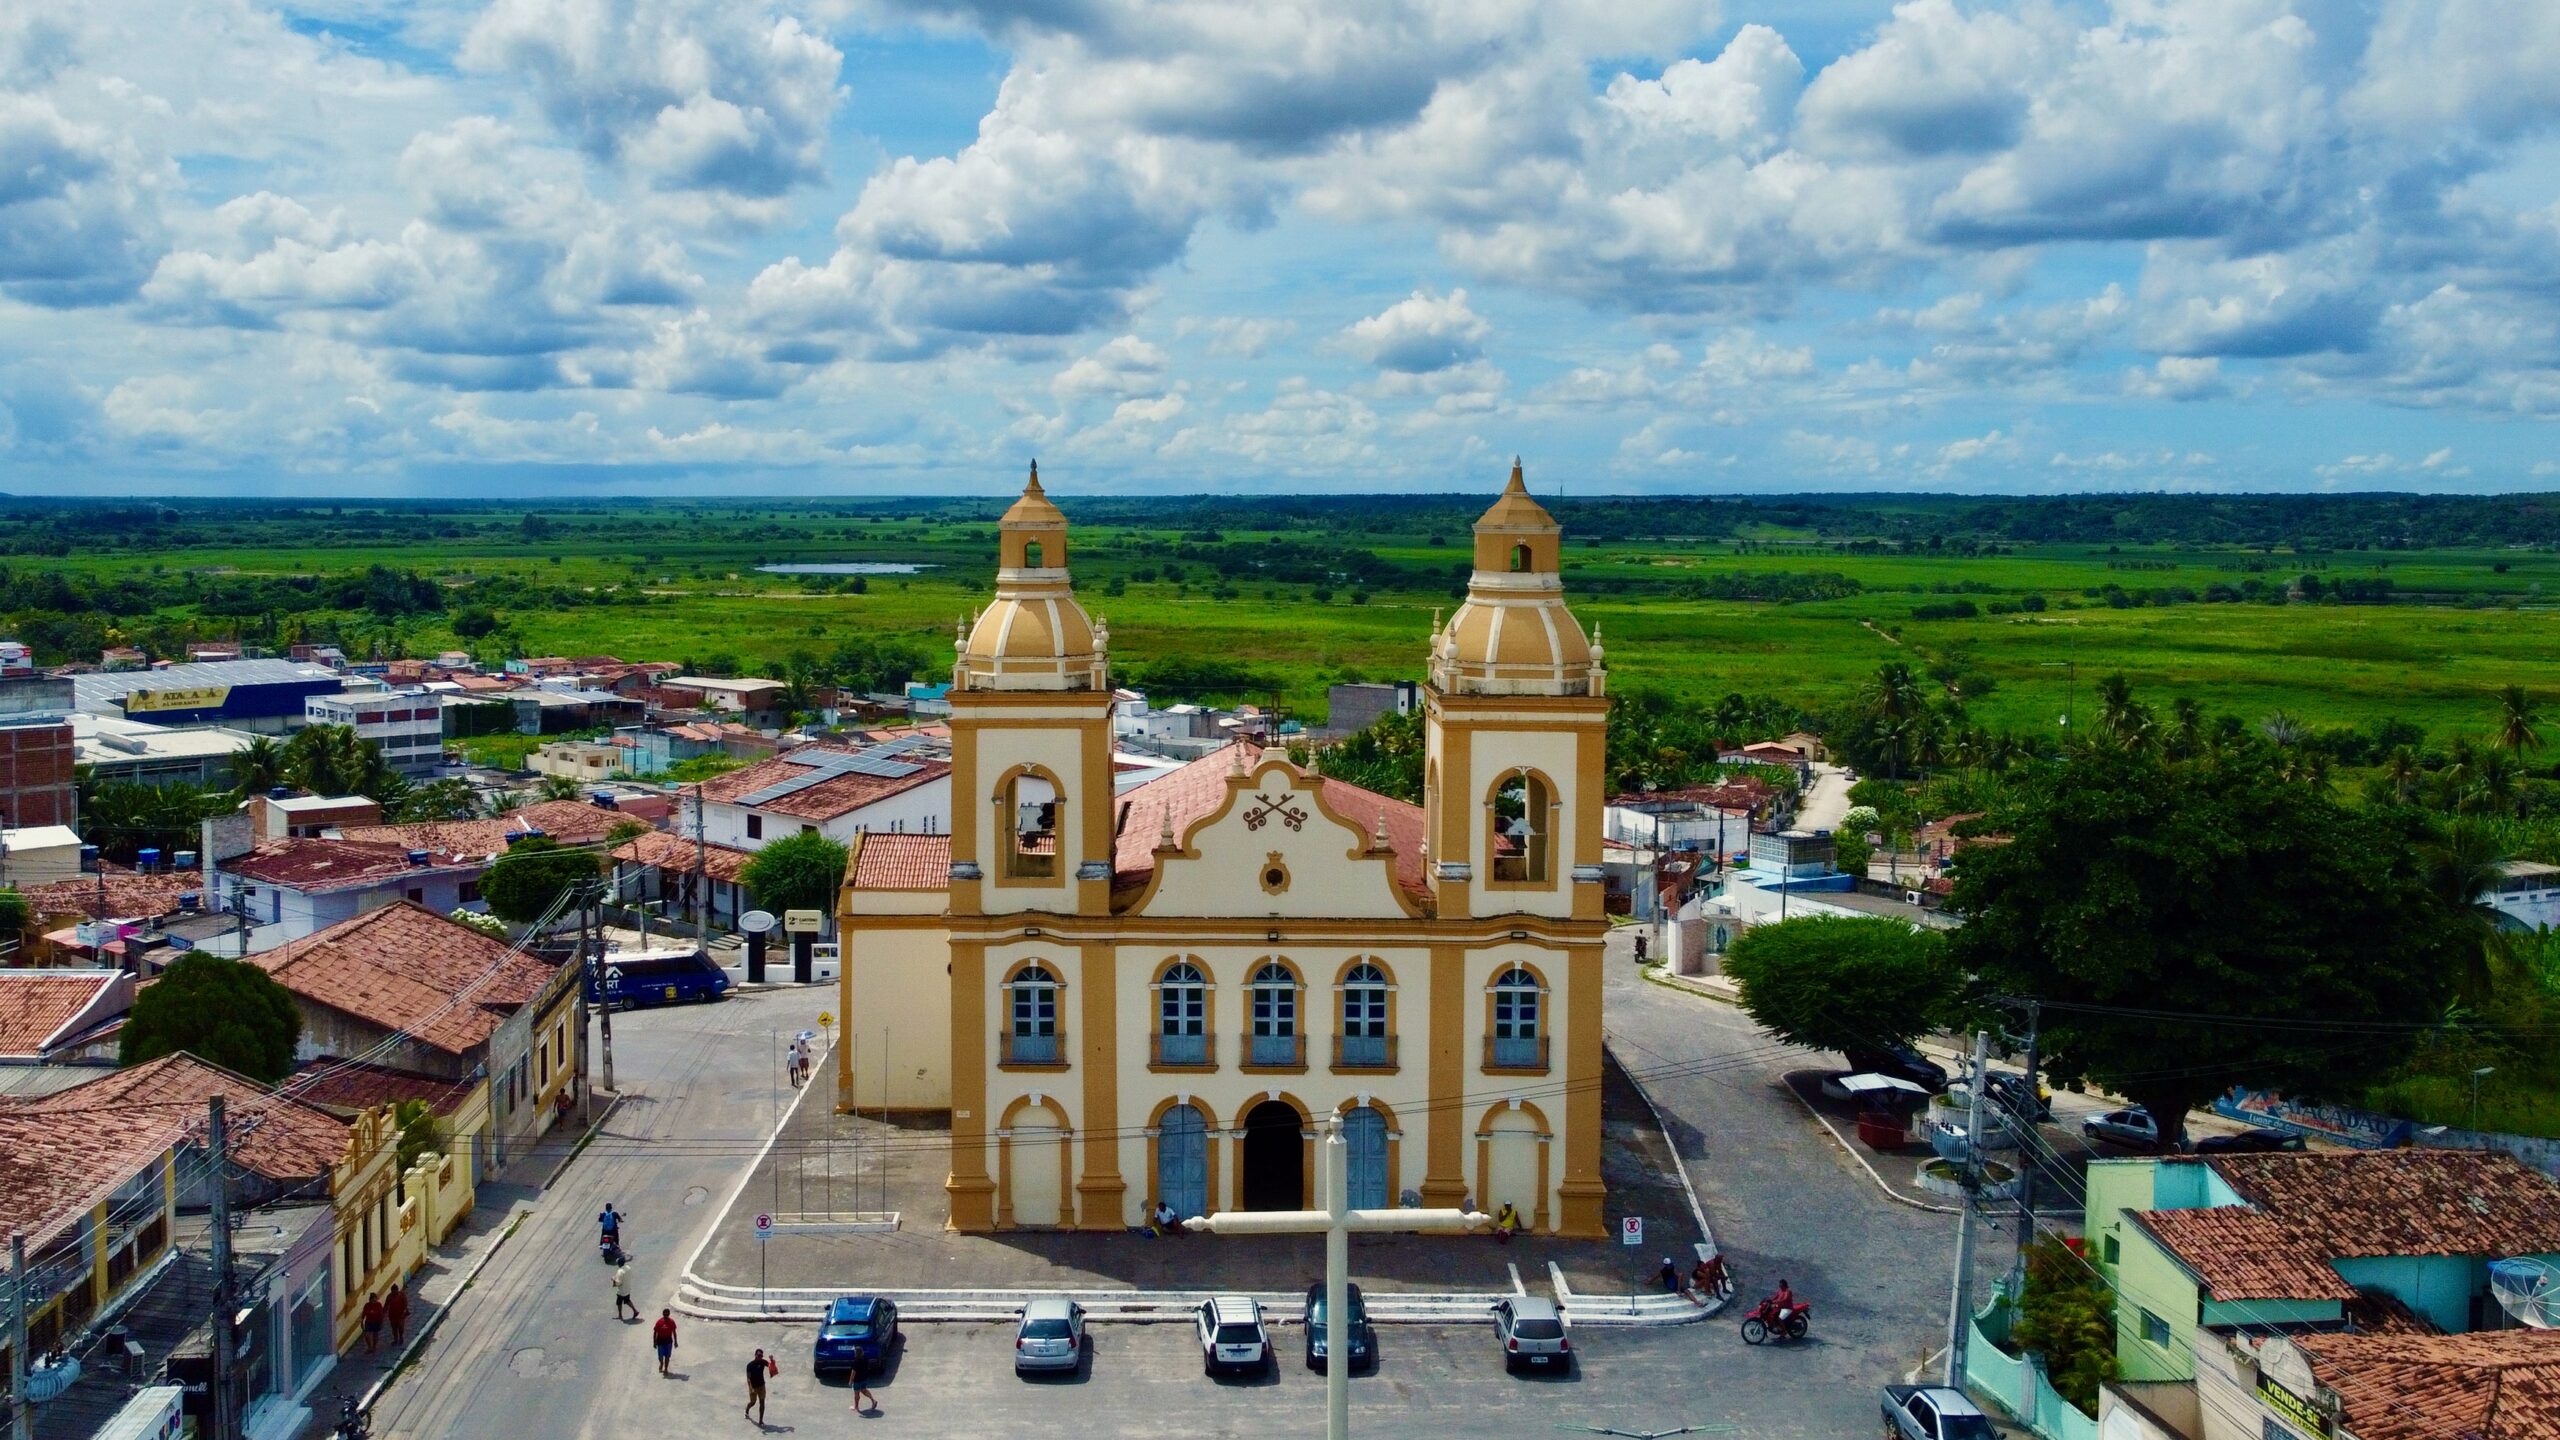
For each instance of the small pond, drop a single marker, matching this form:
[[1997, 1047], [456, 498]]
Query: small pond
[[849, 567]]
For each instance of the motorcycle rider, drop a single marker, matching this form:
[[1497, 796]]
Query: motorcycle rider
[[609, 1227], [1782, 1304]]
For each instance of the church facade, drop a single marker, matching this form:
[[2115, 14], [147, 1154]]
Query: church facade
[[1160, 994]]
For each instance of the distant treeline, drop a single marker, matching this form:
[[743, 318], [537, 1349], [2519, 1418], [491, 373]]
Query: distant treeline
[[1965, 525]]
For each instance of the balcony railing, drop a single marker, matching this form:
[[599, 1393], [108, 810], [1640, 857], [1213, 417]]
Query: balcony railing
[[1528, 1053], [1364, 1052], [1275, 1050], [1033, 1049], [1185, 1050]]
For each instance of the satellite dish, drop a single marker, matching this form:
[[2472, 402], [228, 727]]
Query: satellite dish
[[2529, 1290], [757, 922]]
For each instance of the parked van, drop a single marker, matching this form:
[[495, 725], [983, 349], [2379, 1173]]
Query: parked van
[[661, 977]]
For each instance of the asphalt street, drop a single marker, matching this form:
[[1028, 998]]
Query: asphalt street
[[532, 1352]]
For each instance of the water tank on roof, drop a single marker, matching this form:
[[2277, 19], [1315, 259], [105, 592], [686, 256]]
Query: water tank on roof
[[88, 859], [189, 901], [604, 799], [146, 861], [183, 860], [417, 857], [279, 792]]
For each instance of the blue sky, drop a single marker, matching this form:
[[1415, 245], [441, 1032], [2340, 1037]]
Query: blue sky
[[359, 248]]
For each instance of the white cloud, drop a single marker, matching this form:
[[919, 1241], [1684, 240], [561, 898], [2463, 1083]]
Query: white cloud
[[1127, 366], [77, 223], [702, 95], [1420, 333], [2179, 377]]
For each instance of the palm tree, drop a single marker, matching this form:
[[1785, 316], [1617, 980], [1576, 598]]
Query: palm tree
[[258, 766], [2401, 769], [2463, 867], [1896, 708], [2186, 736], [2122, 719], [2496, 784], [2516, 719], [2282, 730]]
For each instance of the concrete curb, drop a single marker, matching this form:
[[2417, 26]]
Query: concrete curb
[[580, 1148], [738, 1187], [400, 1362], [1864, 1163]]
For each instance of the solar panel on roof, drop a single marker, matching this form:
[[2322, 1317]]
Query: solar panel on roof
[[828, 766]]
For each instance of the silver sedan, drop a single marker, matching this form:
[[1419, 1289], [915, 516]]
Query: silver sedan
[[1051, 1338]]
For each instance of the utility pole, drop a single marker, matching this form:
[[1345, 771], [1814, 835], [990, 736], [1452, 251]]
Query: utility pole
[[226, 1301], [604, 997], [22, 1411], [1960, 1304], [701, 865], [2027, 1166]]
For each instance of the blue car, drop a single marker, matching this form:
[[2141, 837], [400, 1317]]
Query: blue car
[[857, 1327]]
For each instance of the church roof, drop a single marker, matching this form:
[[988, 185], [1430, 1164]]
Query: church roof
[[1180, 797], [1516, 509]]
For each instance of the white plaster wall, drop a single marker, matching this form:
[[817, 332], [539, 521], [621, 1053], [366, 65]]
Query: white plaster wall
[[1325, 878], [1061, 752], [897, 999], [1492, 753]]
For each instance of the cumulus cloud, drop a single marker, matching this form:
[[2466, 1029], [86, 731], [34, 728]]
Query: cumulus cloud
[[1126, 366], [698, 95], [1420, 333], [77, 226], [2179, 377]]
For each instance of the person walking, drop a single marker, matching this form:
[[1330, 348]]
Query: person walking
[[663, 1336], [622, 1291], [396, 1310], [860, 1376], [372, 1322], [758, 1371]]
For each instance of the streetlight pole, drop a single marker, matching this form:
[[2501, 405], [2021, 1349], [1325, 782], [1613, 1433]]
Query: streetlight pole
[[2475, 1093], [1336, 1222]]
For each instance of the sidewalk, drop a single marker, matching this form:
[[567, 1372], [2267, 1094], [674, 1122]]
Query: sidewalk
[[502, 1200], [826, 1163]]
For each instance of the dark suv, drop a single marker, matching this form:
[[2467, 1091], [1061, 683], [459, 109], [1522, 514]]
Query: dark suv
[[1902, 1063], [1363, 1339]]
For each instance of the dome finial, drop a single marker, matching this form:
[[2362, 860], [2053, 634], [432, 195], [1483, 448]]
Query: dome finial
[[1034, 487], [1518, 482]]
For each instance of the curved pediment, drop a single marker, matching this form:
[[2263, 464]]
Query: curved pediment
[[1281, 843]]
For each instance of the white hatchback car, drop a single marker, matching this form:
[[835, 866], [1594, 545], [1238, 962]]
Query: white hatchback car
[[1232, 1336]]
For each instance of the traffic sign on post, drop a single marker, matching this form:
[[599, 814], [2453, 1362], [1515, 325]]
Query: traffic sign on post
[[1631, 1230], [764, 1226]]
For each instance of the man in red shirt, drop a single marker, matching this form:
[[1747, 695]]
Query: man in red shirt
[[663, 1336]]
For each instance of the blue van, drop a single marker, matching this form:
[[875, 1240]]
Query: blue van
[[634, 981]]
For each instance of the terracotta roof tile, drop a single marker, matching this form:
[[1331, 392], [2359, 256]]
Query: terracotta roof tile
[[37, 1008], [571, 822], [676, 852], [1199, 788], [404, 967], [129, 896], [2403, 1202], [347, 1086], [314, 865], [2241, 1254], [901, 862], [55, 1168], [274, 1136], [825, 800], [2487, 1385]]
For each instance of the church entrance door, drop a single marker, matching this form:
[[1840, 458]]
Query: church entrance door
[[1274, 1158], [1182, 1161], [1364, 1132]]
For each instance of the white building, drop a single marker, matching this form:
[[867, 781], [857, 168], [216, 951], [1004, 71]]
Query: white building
[[407, 724], [835, 790], [117, 749], [2527, 894]]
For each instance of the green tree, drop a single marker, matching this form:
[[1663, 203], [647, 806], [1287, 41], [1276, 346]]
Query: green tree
[[2195, 925], [1851, 984], [529, 881], [225, 1011], [446, 799], [2066, 1316], [2518, 721], [797, 872], [1386, 758], [557, 787], [123, 818], [258, 766], [15, 916], [420, 1131], [475, 622]]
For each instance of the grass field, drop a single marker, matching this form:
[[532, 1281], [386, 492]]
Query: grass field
[[689, 574]]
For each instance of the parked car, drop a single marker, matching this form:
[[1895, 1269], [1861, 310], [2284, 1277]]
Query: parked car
[[2133, 1127], [856, 1326], [1902, 1063], [1052, 1336], [2259, 1141], [1531, 1330], [2010, 1093], [1363, 1338], [1933, 1412], [1232, 1336]]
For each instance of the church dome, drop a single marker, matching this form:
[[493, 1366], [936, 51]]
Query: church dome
[[1033, 635], [1514, 635]]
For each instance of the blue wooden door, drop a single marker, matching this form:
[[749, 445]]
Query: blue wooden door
[[1364, 1131], [1182, 1161]]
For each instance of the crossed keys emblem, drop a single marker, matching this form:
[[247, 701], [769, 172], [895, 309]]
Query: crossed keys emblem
[[1267, 809]]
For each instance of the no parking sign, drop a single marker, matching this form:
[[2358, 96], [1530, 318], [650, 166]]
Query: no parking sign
[[1631, 1230]]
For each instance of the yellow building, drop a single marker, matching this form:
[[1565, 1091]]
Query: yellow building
[[1120, 997]]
